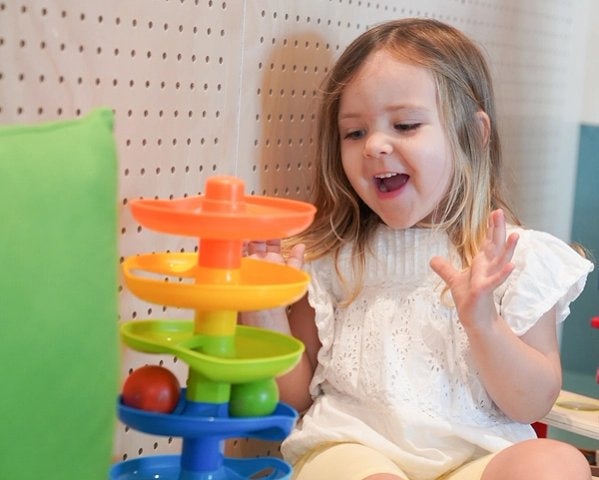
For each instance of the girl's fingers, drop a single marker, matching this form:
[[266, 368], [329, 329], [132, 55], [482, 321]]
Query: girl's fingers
[[497, 228], [504, 247], [263, 247], [509, 248], [273, 245], [490, 227], [500, 267], [443, 268], [495, 245], [296, 256], [270, 250], [256, 248]]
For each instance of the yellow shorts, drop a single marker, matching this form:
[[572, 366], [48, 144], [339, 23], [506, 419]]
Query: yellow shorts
[[352, 461]]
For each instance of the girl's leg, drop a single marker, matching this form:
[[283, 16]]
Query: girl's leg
[[470, 471], [383, 476], [347, 461], [541, 459]]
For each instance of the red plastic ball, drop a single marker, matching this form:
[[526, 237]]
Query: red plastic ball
[[152, 388]]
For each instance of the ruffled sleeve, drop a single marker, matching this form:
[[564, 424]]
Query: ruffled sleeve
[[547, 273], [320, 298]]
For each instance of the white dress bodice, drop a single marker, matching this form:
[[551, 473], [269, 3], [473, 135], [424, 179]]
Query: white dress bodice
[[395, 372]]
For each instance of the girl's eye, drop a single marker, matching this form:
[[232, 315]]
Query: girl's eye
[[354, 135], [406, 127]]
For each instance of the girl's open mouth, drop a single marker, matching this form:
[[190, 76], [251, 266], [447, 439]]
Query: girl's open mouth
[[388, 182]]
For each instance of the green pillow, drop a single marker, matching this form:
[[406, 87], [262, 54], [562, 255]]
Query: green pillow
[[58, 298]]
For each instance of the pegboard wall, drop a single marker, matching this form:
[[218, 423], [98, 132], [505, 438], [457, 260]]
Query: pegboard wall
[[205, 87]]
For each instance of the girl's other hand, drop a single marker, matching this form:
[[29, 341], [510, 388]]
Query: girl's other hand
[[472, 288], [270, 250]]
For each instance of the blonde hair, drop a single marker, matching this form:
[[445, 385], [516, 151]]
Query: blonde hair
[[464, 88]]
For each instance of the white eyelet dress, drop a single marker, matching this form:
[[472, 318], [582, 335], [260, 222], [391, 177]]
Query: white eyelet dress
[[395, 372]]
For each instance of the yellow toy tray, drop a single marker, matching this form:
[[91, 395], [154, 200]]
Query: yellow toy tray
[[258, 284]]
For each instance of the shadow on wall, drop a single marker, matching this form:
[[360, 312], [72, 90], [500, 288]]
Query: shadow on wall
[[290, 93]]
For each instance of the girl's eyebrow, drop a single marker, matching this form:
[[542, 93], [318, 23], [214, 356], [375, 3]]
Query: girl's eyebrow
[[419, 109]]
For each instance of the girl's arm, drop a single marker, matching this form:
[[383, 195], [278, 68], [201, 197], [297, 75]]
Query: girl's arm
[[296, 320], [294, 386], [521, 374]]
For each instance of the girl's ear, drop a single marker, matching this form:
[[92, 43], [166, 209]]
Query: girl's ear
[[485, 125]]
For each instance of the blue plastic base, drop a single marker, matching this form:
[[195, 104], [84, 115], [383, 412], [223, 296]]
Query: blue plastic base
[[182, 423], [167, 467], [203, 436]]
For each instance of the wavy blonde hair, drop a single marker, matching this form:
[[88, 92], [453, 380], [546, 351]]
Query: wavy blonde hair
[[464, 88]]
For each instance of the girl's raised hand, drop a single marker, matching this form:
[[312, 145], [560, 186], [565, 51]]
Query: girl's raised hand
[[472, 288]]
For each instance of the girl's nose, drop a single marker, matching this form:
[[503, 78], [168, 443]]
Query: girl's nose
[[377, 144]]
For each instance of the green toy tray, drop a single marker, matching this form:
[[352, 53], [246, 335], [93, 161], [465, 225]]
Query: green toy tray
[[259, 353]]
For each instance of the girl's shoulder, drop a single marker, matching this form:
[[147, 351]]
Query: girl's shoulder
[[547, 273], [535, 246]]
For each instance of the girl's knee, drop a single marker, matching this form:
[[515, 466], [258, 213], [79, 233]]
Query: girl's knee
[[543, 459]]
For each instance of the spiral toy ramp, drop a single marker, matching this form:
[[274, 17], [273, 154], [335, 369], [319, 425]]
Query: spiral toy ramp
[[231, 391]]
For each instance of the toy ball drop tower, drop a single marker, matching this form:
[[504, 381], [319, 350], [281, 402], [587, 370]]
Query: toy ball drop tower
[[231, 391]]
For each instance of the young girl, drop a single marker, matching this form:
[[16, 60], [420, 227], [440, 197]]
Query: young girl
[[430, 320]]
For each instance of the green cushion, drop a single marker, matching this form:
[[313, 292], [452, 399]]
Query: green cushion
[[58, 298]]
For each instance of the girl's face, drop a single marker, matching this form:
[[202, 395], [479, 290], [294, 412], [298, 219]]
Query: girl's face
[[394, 149]]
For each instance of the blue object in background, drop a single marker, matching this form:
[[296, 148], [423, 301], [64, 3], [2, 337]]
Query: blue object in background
[[580, 342]]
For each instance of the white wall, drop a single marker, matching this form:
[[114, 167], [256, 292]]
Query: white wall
[[590, 104], [211, 87]]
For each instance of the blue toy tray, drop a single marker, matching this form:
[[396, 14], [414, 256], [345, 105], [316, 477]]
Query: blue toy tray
[[178, 424], [167, 467]]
